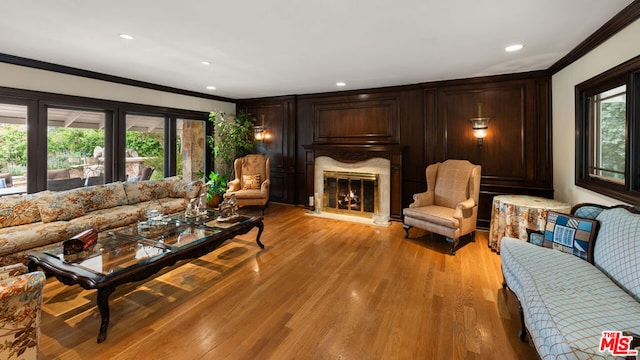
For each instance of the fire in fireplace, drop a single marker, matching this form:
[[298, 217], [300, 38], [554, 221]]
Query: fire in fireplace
[[350, 193]]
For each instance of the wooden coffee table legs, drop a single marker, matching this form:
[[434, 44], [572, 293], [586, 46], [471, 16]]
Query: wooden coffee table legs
[[103, 306], [260, 226]]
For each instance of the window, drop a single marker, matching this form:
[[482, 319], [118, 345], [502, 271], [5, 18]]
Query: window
[[608, 133], [607, 146], [75, 148], [64, 141], [144, 154], [13, 149]]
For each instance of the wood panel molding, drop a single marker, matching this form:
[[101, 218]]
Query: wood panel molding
[[356, 122]]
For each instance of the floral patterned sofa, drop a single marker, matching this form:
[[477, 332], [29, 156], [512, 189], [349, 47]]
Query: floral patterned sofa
[[586, 283], [20, 309], [38, 221]]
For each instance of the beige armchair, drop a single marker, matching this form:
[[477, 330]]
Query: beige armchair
[[20, 311], [253, 178], [449, 207]]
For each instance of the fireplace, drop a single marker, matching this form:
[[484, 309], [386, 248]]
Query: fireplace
[[370, 178], [382, 160], [350, 193]]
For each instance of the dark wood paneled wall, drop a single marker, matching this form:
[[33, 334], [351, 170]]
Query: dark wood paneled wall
[[278, 115], [430, 122]]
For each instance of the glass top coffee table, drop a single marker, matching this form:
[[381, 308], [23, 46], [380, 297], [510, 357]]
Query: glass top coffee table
[[139, 251]]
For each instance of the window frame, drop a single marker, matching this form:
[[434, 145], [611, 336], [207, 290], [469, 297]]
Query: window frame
[[38, 102], [627, 74]]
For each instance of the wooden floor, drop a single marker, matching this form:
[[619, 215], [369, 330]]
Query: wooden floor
[[321, 289]]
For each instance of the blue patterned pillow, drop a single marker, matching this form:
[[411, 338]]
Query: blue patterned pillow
[[571, 234]]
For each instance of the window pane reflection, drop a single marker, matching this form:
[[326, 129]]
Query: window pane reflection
[[145, 147]]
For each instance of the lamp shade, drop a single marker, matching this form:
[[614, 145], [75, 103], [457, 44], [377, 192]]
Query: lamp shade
[[480, 126]]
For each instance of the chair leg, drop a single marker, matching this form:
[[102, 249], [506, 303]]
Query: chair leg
[[453, 242], [406, 230]]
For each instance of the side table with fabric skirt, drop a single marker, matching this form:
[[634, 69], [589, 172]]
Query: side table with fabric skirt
[[512, 215]]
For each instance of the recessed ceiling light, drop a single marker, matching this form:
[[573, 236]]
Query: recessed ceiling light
[[206, 63], [210, 87], [126, 36], [514, 47], [341, 83]]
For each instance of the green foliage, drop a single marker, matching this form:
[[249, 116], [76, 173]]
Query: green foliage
[[13, 147], [613, 138], [144, 143], [232, 138], [216, 185], [80, 142]]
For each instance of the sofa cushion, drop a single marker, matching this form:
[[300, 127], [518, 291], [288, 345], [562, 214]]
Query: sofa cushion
[[567, 302], [106, 219], [28, 236], [186, 190], [60, 206], [570, 234], [617, 248], [103, 196], [433, 214], [140, 191], [19, 210]]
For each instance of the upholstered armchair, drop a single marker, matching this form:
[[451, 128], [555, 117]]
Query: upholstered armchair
[[20, 308], [449, 207], [253, 178]]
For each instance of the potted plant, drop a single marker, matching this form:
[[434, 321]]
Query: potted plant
[[233, 138], [216, 186]]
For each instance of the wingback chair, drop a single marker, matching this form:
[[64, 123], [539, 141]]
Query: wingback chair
[[20, 311], [253, 178], [449, 207]]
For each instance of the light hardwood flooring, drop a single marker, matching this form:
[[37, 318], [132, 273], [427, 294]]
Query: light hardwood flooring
[[321, 289]]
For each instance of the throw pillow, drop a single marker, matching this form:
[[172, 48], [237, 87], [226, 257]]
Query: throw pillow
[[571, 234], [3, 183], [60, 206], [250, 182]]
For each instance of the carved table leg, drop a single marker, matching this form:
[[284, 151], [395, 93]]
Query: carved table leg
[[103, 306], [260, 226]]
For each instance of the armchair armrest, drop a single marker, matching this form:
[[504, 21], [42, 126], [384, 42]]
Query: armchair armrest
[[462, 206], [10, 271], [422, 199], [265, 186], [16, 286], [233, 185]]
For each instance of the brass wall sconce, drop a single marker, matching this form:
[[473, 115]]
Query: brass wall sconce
[[479, 125], [259, 132]]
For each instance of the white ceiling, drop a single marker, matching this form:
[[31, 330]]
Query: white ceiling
[[281, 47]]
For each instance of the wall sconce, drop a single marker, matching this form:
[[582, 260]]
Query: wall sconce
[[258, 131], [479, 125]]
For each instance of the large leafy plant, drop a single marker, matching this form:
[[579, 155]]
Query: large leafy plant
[[232, 138], [216, 185]]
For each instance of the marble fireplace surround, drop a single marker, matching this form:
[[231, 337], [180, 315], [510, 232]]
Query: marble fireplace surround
[[385, 160], [378, 166]]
